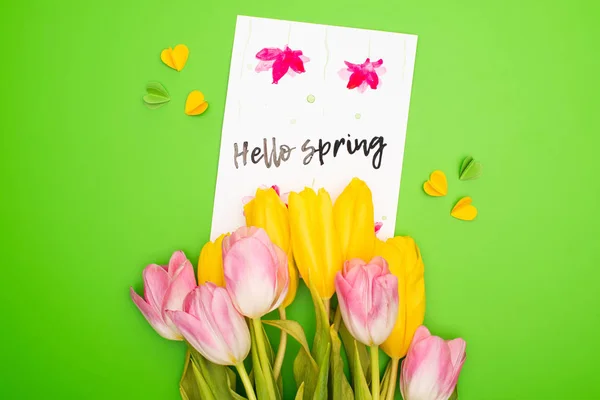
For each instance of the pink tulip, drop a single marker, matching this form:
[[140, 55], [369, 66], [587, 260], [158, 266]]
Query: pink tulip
[[165, 288], [431, 367], [212, 325], [256, 271], [368, 299]]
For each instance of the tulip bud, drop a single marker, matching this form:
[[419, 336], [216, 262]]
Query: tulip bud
[[431, 367], [354, 221], [210, 263], [404, 260], [256, 271], [212, 325], [165, 288], [368, 299], [315, 242], [267, 210]]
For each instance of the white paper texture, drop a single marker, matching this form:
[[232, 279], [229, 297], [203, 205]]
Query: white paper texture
[[257, 109]]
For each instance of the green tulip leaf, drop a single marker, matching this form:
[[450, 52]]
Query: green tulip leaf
[[363, 354], [340, 388], [216, 376], [454, 395], [321, 341], [385, 382], [361, 389], [156, 96], [188, 387], [321, 389], [300, 392], [305, 374], [203, 388], [294, 329], [304, 369], [470, 169], [266, 388]]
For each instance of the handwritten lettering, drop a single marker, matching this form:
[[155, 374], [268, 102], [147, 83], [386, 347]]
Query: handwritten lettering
[[258, 154], [275, 155]]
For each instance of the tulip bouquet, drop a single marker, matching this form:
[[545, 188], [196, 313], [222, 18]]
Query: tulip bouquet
[[369, 295]]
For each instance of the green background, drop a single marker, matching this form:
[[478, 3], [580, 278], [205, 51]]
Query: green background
[[95, 186]]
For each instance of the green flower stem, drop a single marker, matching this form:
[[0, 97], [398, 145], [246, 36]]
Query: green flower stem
[[281, 349], [337, 319], [260, 342], [392, 382], [374, 372], [246, 381]]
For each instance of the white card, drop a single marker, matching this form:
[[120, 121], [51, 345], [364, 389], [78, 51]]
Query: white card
[[327, 99]]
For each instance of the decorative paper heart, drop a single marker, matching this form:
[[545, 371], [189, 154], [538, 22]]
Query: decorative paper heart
[[157, 96], [464, 210], [195, 104], [470, 169], [175, 58], [437, 185]]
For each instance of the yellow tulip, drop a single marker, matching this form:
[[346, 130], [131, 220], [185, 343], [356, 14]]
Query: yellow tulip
[[267, 211], [404, 259], [315, 242], [354, 221], [210, 263]]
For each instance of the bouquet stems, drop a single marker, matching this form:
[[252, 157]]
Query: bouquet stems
[[374, 372], [281, 349], [246, 381], [393, 376]]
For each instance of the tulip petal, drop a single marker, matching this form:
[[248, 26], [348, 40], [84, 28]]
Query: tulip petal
[[177, 259], [250, 277], [384, 310], [197, 334], [381, 263], [420, 334], [182, 283], [353, 310], [153, 317], [231, 325], [156, 283], [283, 277], [457, 356]]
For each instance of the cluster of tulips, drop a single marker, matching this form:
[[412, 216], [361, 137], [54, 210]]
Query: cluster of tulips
[[244, 275]]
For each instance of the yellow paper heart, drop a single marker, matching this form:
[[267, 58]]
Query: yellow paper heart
[[195, 104], [175, 58], [437, 185], [464, 209]]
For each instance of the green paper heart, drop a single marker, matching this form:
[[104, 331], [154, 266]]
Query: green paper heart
[[157, 96], [470, 169]]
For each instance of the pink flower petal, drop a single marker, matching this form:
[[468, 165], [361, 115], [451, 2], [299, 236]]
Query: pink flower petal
[[250, 276], [153, 317], [264, 66], [279, 70], [283, 277], [182, 283], [356, 79], [267, 54], [156, 283]]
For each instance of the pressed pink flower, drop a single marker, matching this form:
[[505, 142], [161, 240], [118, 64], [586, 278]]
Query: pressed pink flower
[[165, 288], [212, 325], [362, 75], [431, 367], [378, 226], [281, 62], [256, 271], [368, 299]]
